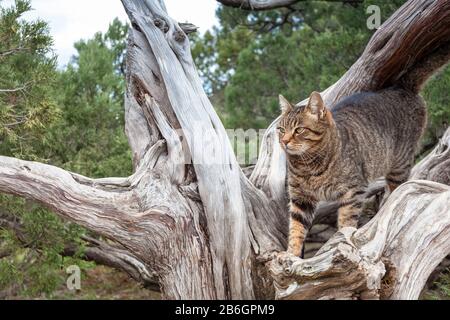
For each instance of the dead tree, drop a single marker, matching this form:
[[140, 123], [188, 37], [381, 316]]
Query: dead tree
[[201, 228]]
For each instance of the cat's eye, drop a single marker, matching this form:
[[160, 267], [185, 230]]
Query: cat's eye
[[313, 131], [301, 130], [281, 130]]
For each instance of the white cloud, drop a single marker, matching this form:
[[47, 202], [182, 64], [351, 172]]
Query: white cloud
[[199, 12], [72, 20]]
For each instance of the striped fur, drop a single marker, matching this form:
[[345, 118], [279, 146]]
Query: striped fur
[[333, 155]]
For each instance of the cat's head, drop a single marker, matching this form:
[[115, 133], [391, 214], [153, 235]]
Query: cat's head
[[304, 128]]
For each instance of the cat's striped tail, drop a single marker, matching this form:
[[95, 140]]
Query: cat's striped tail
[[417, 75]]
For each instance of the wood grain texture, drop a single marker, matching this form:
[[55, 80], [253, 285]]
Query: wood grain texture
[[205, 230], [390, 257], [436, 165]]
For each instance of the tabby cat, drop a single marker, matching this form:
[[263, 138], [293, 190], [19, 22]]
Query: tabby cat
[[332, 155]]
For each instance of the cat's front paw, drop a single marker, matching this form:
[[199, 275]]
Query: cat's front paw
[[295, 250], [285, 259]]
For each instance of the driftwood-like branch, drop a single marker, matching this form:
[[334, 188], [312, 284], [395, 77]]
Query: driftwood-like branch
[[95, 250], [116, 209], [188, 28], [108, 255], [106, 206], [190, 215], [13, 90], [391, 257], [436, 165], [258, 4], [96, 209]]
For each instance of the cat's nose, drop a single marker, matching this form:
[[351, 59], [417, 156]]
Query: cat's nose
[[285, 141]]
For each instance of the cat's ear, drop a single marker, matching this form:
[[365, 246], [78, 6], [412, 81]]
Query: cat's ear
[[316, 105], [285, 105]]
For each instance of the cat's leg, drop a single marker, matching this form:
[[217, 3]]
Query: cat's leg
[[398, 175], [348, 216], [297, 235], [302, 216]]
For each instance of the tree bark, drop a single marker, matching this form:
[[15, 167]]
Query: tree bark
[[391, 257], [258, 4], [105, 254], [436, 165], [191, 217], [100, 252]]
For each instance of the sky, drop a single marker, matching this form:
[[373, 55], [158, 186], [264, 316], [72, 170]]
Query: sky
[[72, 20]]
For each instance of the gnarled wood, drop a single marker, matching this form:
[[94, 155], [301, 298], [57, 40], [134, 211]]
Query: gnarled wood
[[190, 215], [258, 4], [436, 165], [390, 257]]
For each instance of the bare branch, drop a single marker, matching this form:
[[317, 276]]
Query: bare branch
[[96, 209], [188, 28], [257, 4], [13, 90], [12, 51], [106, 254], [98, 251], [390, 257], [436, 165]]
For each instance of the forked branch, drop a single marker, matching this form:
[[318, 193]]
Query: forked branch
[[92, 207], [390, 258]]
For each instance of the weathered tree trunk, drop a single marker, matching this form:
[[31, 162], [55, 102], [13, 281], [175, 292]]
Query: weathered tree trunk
[[191, 219], [390, 257], [436, 165]]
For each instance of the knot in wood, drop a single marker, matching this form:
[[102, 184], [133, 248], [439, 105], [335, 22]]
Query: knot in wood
[[179, 36], [161, 24]]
